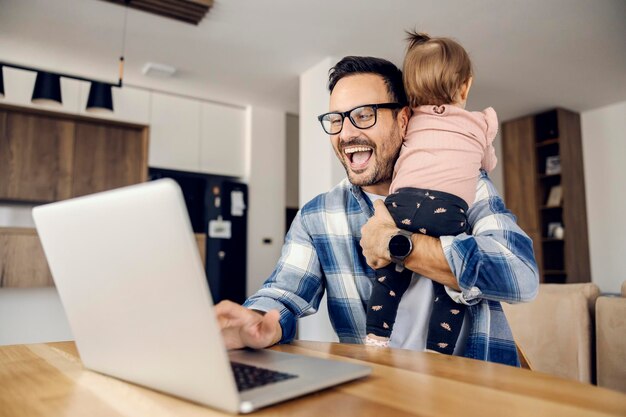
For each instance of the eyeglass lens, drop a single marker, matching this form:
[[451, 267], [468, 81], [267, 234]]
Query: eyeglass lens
[[361, 117]]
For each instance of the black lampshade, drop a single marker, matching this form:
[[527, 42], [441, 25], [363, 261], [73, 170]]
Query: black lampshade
[[1, 83], [47, 88], [100, 97]]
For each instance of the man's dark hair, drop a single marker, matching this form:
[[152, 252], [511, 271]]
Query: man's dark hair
[[352, 65]]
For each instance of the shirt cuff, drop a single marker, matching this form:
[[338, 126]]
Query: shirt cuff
[[461, 297], [468, 296]]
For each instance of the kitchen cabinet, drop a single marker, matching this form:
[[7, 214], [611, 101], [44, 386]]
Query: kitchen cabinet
[[174, 133], [22, 261], [185, 134], [36, 156], [107, 157], [190, 135], [222, 140], [47, 156]]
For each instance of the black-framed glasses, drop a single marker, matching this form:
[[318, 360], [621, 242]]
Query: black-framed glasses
[[362, 117]]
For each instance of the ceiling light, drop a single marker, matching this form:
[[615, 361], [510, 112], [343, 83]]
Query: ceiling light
[[158, 70], [100, 98], [48, 84], [47, 88]]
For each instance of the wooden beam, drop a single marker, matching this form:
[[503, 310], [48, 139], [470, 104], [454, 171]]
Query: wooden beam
[[188, 11]]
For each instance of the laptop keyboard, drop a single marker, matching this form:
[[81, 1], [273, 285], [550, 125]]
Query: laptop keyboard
[[248, 377]]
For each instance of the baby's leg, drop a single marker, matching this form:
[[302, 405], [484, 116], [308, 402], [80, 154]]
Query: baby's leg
[[445, 323], [434, 213], [382, 306]]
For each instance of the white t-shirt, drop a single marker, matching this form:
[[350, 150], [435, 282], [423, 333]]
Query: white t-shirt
[[411, 328]]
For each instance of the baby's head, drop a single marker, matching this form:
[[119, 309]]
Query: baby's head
[[436, 71]]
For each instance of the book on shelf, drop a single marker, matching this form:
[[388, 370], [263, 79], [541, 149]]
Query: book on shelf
[[555, 196]]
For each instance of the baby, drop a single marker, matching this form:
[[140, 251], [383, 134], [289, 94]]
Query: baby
[[435, 178]]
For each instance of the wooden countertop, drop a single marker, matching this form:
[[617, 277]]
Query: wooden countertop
[[49, 380]]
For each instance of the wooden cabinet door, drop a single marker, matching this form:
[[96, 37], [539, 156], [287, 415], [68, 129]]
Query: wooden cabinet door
[[107, 156], [576, 251], [35, 157], [22, 261], [520, 178]]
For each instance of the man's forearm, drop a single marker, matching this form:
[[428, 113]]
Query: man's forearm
[[428, 259]]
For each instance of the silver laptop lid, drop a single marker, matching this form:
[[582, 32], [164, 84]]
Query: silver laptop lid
[[129, 275]]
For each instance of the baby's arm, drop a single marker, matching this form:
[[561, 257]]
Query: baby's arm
[[489, 158]]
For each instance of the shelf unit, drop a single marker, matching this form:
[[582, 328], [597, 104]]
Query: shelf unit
[[529, 143]]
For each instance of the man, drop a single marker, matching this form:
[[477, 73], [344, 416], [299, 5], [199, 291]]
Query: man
[[338, 234]]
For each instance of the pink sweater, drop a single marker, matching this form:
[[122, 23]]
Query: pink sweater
[[444, 148]]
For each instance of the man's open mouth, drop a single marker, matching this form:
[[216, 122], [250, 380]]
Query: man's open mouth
[[358, 156]]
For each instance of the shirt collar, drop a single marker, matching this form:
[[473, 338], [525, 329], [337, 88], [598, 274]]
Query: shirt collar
[[364, 202]]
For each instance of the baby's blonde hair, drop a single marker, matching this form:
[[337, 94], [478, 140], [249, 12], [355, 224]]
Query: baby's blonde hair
[[434, 70]]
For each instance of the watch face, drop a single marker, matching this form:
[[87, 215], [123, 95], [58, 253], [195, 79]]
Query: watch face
[[399, 246]]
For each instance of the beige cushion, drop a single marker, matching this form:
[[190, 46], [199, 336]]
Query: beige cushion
[[588, 290], [555, 330], [611, 342]]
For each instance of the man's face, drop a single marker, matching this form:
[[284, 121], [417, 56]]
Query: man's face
[[368, 155]]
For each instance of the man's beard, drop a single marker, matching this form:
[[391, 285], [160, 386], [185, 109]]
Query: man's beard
[[383, 170]]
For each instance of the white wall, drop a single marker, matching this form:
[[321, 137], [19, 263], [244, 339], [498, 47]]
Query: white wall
[[604, 151], [319, 167], [266, 181], [319, 171], [32, 315], [16, 215], [496, 175]]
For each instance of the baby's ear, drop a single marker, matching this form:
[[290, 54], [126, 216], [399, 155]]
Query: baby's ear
[[465, 88]]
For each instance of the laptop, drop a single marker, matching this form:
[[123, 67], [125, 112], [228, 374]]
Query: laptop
[[129, 274]]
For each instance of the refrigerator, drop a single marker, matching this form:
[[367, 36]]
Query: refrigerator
[[218, 208]]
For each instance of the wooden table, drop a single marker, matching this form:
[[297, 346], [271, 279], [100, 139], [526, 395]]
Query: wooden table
[[49, 380]]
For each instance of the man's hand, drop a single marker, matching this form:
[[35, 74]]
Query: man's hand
[[427, 257], [375, 236], [242, 327]]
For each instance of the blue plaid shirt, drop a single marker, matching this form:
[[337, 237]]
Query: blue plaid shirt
[[322, 253]]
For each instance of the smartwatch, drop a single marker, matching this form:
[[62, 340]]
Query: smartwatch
[[400, 246]]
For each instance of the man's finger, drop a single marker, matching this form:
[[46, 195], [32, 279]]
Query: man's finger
[[270, 320], [231, 314], [263, 333], [380, 210], [226, 309]]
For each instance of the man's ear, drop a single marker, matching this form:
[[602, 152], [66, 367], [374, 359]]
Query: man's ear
[[403, 119], [465, 88]]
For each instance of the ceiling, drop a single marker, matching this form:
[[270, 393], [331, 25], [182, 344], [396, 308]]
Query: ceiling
[[528, 55]]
